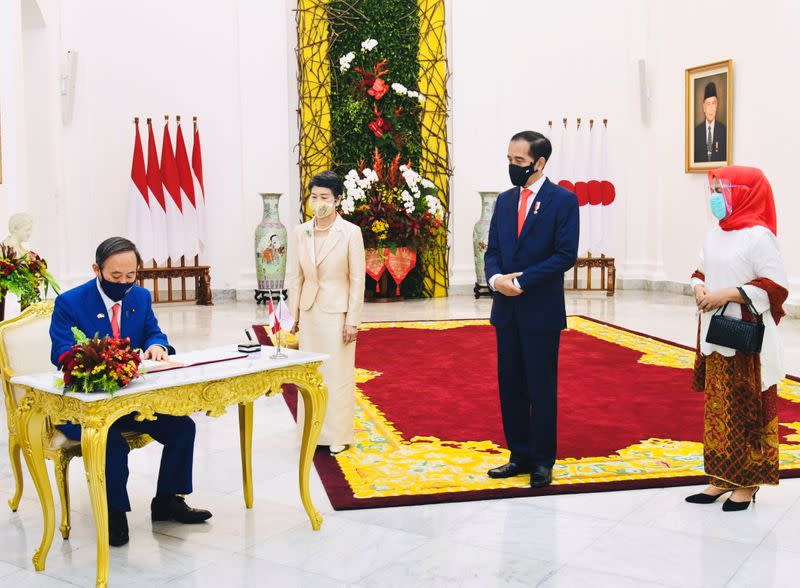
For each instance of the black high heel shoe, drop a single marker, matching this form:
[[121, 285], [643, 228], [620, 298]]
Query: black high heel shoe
[[735, 506], [702, 498]]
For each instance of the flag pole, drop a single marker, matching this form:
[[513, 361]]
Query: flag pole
[[279, 354]]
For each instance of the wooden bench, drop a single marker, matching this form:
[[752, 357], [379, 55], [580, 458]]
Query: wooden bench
[[608, 273], [200, 273]]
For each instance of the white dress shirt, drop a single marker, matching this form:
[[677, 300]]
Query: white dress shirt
[[109, 305], [732, 259], [534, 187], [710, 126]]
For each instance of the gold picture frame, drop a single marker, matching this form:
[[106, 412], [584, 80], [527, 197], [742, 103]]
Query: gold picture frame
[[709, 95]]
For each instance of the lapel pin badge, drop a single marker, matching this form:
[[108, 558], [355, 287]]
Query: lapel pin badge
[[101, 315], [536, 207]]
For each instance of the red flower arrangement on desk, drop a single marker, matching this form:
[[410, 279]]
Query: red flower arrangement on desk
[[99, 364]]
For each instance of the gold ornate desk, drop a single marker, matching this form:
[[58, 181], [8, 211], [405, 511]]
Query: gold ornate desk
[[210, 388]]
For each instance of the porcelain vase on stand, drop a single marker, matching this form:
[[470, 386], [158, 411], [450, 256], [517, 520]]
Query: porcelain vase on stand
[[270, 243], [480, 236]]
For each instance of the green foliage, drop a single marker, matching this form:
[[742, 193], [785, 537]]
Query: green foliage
[[24, 276], [395, 25], [80, 336]]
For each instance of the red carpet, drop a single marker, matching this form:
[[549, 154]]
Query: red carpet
[[442, 384]]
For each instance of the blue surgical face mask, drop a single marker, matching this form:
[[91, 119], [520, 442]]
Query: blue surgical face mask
[[115, 290], [718, 207]]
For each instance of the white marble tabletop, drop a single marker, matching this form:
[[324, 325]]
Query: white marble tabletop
[[239, 364]]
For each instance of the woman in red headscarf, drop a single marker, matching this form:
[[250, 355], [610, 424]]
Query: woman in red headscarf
[[741, 264]]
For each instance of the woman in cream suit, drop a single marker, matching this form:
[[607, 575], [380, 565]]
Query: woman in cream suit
[[326, 292]]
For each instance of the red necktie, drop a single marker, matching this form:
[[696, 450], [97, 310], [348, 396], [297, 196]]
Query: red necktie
[[523, 209], [115, 320]]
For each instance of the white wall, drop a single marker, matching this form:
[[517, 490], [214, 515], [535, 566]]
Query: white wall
[[518, 64], [763, 43], [14, 185], [226, 62], [515, 64]]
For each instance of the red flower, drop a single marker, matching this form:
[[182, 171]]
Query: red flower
[[378, 89], [379, 127]]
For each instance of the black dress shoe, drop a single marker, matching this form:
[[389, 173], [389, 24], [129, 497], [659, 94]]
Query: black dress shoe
[[736, 506], [174, 508], [117, 528], [702, 498], [541, 476], [509, 470]]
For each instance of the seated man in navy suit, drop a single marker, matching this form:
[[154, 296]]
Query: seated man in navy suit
[[533, 240], [112, 304]]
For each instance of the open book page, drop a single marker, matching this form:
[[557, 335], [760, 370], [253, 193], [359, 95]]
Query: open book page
[[152, 366], [192, 358]]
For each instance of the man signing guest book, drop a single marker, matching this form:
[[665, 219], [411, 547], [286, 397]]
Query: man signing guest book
[[533, 240], [111, 304]]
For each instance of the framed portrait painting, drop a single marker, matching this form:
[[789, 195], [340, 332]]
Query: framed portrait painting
[[709, 116]]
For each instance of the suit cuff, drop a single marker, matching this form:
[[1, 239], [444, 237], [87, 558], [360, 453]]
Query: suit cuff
[[492, 280]]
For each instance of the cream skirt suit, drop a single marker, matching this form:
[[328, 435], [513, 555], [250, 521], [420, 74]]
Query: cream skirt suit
[[325, 280]]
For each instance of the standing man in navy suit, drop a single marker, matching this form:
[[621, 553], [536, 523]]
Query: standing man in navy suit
[[533, 241], [111, 304]]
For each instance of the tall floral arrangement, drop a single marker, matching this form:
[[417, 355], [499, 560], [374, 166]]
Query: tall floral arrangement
[[393, 205], [25, 276], [376, 110]]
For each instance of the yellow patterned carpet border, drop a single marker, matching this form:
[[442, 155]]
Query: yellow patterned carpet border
[[383, 464]]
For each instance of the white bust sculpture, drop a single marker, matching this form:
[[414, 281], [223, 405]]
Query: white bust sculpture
[[20, 227]]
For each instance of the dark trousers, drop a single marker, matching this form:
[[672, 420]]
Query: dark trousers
[[527, 373], [176, 434]]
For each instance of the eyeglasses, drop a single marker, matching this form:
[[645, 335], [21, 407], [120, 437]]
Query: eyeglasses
[[720, 188]]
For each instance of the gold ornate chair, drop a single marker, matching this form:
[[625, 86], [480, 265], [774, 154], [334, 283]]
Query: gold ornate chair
[[25, 349]]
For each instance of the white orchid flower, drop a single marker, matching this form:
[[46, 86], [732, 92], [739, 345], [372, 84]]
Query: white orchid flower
[[369, 44]]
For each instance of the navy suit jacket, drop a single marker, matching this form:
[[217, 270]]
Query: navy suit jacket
[[83, 307], [546, 248], [719, 143]]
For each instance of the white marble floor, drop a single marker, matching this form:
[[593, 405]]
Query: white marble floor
[[617, 539]]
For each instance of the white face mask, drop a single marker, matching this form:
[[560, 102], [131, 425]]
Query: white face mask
[[322, 209]]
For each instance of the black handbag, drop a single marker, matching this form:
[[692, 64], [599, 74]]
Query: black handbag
[[736, 333]]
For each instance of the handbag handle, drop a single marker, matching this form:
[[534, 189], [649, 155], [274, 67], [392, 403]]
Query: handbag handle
[[721, 310]]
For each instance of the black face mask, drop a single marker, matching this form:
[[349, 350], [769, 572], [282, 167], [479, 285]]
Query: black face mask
[[520, 175], [115, 290]]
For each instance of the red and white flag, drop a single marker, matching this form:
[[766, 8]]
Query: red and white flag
[[594, 192], [169, 177], [551, 169], [581, 179], [155, 192], [272, 319], [284, 315], [608, 193], [199, 190], [188, 207], [140, 225], [280, 317]]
